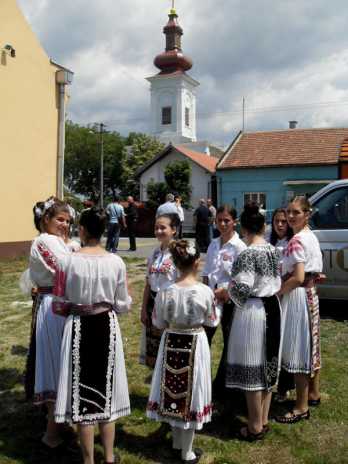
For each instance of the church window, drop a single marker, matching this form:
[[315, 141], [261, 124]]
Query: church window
[[166, 116], [187, 116]]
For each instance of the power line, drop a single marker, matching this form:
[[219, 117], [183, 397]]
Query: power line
[[246, 111]]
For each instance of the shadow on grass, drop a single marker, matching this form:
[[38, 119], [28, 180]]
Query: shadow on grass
[[9, 378]]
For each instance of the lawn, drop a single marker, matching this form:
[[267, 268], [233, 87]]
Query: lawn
[[322, 439]]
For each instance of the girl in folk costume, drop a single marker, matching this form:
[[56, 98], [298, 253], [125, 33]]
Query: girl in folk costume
[[52, 218], [181, 384], [280, 235], [160, 269], [301, 345], [221, 255], [254, 344], [90, 288]]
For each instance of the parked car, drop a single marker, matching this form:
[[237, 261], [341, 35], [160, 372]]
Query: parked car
[[329, 222]]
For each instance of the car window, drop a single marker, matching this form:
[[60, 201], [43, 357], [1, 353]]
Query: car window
[[331, 211]]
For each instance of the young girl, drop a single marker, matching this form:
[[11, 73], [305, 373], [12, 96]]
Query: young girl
[[301, 345], [254, 344], [160, 269], [52, 219], [91, 288], [221, 255], [280, 236], [181, 385]]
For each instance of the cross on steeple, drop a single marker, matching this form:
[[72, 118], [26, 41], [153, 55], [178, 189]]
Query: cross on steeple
[[172, 10]]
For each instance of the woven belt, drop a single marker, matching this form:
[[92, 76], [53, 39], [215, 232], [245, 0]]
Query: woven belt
[[185, 328], [45, 290], [89, 309]]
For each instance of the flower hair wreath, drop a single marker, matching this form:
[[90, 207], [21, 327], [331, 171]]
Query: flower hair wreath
[[191, 250], [47, 205]]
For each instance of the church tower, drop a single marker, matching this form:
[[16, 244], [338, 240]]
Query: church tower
[[173, 92]]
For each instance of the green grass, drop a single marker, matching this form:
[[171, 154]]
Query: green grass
[[321, 440]]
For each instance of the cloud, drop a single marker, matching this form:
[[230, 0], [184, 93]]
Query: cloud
[[283, 52]]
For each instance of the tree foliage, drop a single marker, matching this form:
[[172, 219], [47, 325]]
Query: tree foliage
[[144, 148], [177, 175], [82, 161]]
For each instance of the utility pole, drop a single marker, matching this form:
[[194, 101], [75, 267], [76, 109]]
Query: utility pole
[[101, 132]]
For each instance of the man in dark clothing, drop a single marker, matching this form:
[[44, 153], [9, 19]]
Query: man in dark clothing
[[131, 220], [201, 218]]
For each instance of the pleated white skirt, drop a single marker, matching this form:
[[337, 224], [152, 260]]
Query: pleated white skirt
[[49, 331], [201, 406], [297, 340], [246, 346]]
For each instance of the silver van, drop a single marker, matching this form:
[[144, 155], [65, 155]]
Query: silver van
[[329, 222]]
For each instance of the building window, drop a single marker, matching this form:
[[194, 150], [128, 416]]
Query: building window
[[260, 197], [166, 116], [187, 117]]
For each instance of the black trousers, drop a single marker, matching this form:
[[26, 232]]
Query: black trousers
[[132, 226], [202, 235]]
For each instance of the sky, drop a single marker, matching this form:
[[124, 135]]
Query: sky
[[288, 59]]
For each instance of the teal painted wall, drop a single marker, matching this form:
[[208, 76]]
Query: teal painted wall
[[233, 183]]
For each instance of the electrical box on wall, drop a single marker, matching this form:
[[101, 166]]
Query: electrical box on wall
[[64, 77]]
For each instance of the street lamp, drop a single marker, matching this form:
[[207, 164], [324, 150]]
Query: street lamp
[[101, 132]]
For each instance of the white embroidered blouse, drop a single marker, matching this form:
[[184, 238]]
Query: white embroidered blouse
[[255, 274], [160, 269], [188, 306], [73, 246], [219, 261], [303, 248], [45, 252], [87, 279]]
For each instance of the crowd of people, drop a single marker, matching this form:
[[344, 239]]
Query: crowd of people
[[262, 293]]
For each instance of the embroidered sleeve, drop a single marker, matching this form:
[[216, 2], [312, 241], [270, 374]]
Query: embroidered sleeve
[[243, 277], [295, 251], [60, 304], [158, 310], [47, 256], [214, 313], [123, 300]]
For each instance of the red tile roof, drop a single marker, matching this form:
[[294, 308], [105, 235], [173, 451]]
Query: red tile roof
[[284, 148], [207, 162]]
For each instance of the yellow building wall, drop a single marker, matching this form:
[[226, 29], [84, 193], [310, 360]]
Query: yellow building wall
[[29, 112]]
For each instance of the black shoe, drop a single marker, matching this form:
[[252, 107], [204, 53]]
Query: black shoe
[[293, 418], [117, 459], [314, 403], [58, 451], [198, 452], [176, 453]]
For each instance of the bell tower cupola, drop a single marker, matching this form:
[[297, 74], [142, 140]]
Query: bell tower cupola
[[173, 94]]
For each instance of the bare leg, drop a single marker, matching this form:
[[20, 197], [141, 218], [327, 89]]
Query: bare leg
[[86, 436], [254, 402], [266, 401], [107, 434], [313, 393], [302, 387], [53, 430], [187, 442]]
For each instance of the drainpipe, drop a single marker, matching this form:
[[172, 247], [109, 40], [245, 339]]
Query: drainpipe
[[63, 78]]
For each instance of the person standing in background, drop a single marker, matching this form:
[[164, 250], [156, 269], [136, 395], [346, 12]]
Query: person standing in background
[[201, 218], [167, 207], [212, 222], [116, 212], [131, 222], [177, 203]]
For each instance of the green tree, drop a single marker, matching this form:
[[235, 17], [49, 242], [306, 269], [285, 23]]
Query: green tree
[[144, 148], [177, 177], [82, 161]]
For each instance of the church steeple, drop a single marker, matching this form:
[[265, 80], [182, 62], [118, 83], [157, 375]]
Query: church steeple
[[173, 60], [173, 92]]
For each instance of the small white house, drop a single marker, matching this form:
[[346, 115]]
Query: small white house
[[203, 178]]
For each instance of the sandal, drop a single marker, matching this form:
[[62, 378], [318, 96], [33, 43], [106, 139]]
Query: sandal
[[314, 403], [117, 459], [280, 398], [251, 437], [293, 418], [266, 428]]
